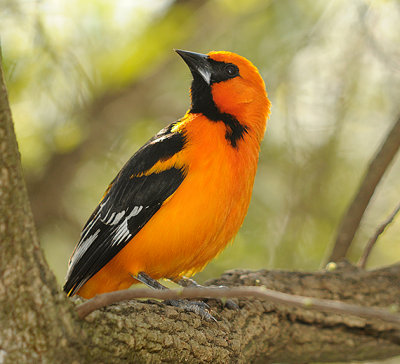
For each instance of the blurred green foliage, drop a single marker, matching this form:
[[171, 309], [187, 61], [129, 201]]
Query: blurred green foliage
[[91, 81]]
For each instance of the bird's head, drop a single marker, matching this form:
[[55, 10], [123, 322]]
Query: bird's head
[[225, 83]]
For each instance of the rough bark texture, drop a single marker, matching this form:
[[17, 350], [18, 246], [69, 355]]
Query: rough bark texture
[[150, 332], [36, 322]]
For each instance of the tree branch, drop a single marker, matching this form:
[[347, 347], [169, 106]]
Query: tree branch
[[352, 218], [309, 303], [261, 331], [363, 260]]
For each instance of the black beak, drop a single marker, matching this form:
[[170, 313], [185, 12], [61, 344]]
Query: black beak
[[198, 64]]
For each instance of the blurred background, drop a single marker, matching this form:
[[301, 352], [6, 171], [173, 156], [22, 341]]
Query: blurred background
[[90, 81]]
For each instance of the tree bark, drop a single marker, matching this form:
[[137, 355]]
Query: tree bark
[[36, 322], [260, 332]]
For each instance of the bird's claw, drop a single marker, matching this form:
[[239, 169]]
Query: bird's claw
[[228, 303], [198, 307], [231, 305]]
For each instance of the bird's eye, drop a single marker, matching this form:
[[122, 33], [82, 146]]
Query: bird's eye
[[231, 70]]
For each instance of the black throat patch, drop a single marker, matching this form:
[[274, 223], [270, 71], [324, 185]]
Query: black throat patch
[[202, 102]]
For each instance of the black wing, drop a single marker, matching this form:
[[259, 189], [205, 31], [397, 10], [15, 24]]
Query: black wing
[[128, 204]]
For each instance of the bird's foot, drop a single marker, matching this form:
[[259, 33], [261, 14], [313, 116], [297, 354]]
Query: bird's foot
[[191, 283], [198, 307]]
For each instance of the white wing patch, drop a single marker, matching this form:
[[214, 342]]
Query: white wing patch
[[122, 231], [83, 247], [88, 228], [135, 211], [114, 219]]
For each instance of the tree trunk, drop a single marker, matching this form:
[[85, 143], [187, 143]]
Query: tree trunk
[[36, 322]]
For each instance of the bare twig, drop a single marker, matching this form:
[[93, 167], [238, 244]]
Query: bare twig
[[317, 304], [363, 260], [352, 218]]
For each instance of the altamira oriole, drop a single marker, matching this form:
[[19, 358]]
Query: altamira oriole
[[182, 196]]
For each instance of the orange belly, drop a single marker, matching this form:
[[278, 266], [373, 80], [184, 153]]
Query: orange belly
[[194, 224]]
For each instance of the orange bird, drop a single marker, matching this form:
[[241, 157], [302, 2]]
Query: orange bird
[[183, 196]]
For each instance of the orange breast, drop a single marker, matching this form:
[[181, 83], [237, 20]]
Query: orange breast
[[198, 220]]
